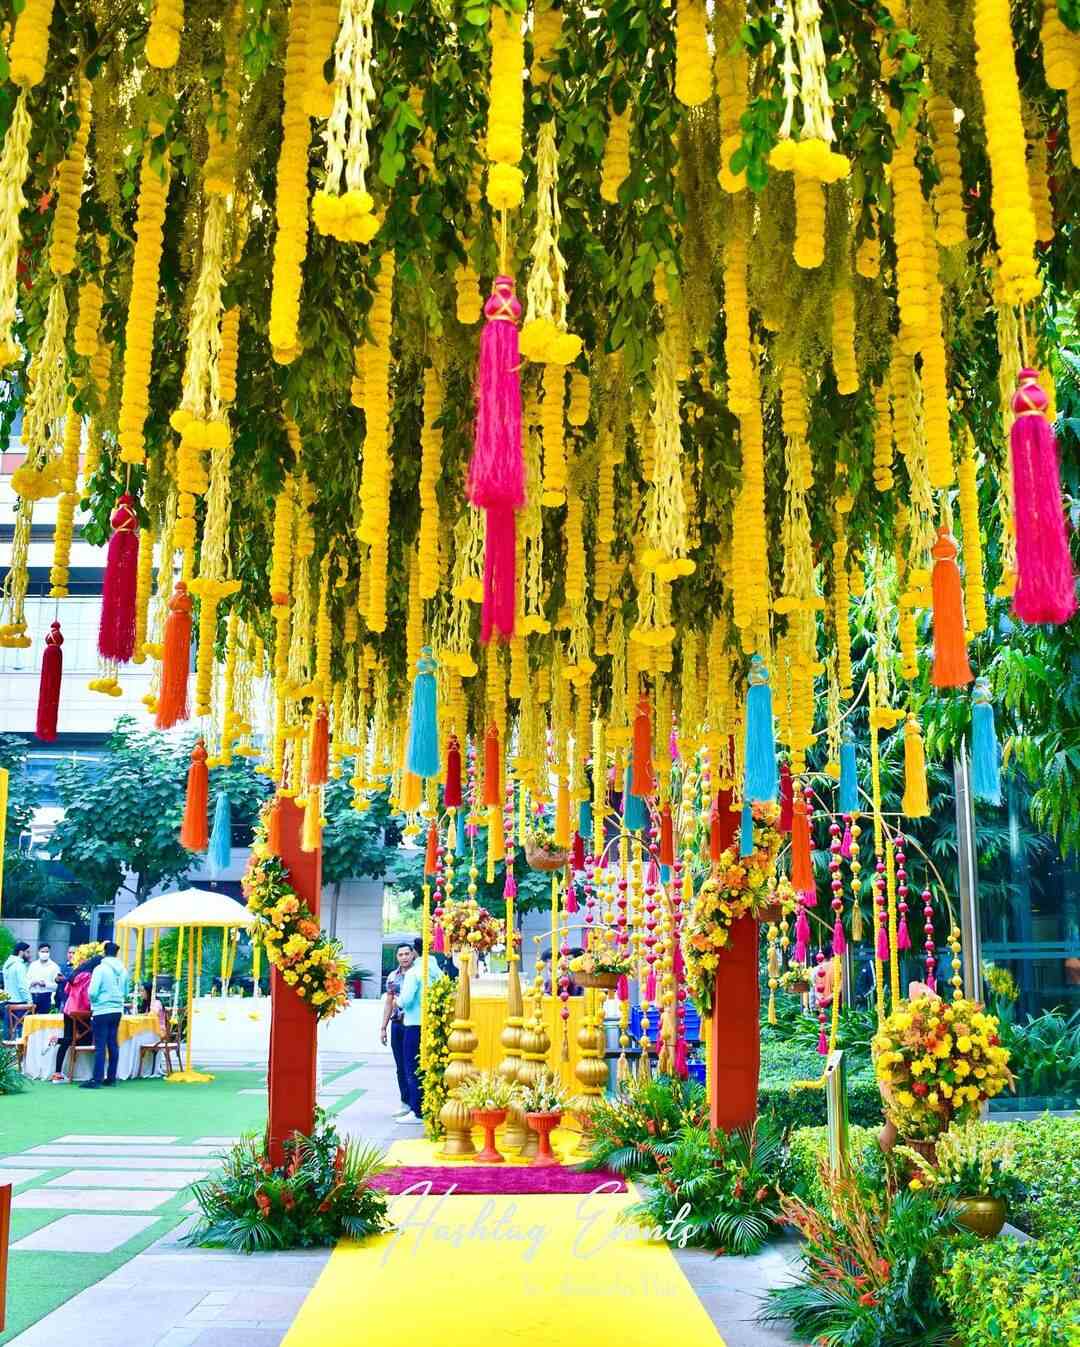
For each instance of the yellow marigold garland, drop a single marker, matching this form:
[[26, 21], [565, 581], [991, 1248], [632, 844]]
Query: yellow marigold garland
[[949, 192], [88, 320], [291, 202], [349, 215], [376, 467], [69, 176], [163, 37], [14, 163], [321, 31], [30, 44], [911, 245], [693, 77], [843, 337], [430, 467], [615, 166], [506, 110], [974, 590]]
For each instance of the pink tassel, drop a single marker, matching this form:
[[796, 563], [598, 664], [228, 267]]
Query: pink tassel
[[882, 944], [903, 939], [845, 845], [1045, 584], [52, 669], [652, 875], [823, 1043], [809, 897], [578, 861], [802, 936], [839, 943], [438, 940], [510, 884], [931, 982], [116, 632], [571, 899], [496, 481], [622, 987], [787, 799], [680, 1058], [650, 986]]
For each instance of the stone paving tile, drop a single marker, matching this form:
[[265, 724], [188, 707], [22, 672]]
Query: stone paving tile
[[101, 1199], [140, 1151], [139, 1178], [85, 1234], [20, 1175], [24, 1162], [178, 1337], [133, 1137], [267, 1306], [234, 1335], [136, 1319], [734, 1313], [182, 1164], [216, 1141]]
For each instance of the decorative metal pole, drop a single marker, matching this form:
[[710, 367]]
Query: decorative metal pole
[[836, 1110], [967, 867]]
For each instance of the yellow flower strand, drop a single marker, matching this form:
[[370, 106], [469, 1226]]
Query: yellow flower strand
[[291, 202], [14, 163], [69, 176]]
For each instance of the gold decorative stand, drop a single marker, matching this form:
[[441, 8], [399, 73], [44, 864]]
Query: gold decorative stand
[[535, 1046], [462, 1043], [515, 1133], [591, 1069]]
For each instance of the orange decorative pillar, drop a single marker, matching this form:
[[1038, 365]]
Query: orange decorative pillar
[[293, 1024], [735, 1035]]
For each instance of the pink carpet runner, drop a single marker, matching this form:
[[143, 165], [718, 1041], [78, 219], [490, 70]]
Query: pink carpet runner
[[508, 1179]]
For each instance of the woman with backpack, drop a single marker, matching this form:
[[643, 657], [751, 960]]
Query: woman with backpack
[[77, 1003]]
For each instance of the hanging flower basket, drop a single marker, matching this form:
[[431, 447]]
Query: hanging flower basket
[[546, 858], [797, 988], [609, 980]]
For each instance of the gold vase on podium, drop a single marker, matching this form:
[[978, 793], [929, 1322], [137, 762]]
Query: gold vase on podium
[[462, 1043], [515, 1133], [591, 1069], [535, 1046]]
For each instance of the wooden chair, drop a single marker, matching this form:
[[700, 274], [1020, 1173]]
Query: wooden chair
[[17, 1012], [82, 1039], [169, 1042]]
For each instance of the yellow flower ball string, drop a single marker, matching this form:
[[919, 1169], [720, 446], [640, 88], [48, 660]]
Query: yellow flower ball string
[[546, 32], [730, 78], [222, 126], [553, 436], [349, 215], [291, 201], [14, 163], [1039, 186], [88, 320], [1060, 48], [911, 245], [843, 338], [506, 110], [615, 166], [883, 438], [974, 590], [65, 509], [469, 302], [693, 76], [69, 181], [229, 354], [949, 192], [322, 29], [431, 439], [163, 35], [144, 581], [29, 48], [935, 385]]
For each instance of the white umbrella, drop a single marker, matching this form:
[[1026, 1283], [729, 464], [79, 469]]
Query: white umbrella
[[187, 907]]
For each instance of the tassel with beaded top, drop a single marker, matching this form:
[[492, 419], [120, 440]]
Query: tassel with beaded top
[[422, 754], [52, 671], [985, 752], [172, 698], [916, 803], [951, 667], [194, 834], [1045, 583], [116, 631], [760, 755], [492, 767]]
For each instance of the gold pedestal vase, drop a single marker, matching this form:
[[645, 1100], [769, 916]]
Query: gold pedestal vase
[[462, 1043], [515, 1133], [591, 1069], [535, 1046]]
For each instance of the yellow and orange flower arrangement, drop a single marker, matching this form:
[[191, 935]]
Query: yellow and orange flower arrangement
[[467, 925]]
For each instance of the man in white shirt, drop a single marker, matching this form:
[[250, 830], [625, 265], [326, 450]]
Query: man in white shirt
[[41, 974]]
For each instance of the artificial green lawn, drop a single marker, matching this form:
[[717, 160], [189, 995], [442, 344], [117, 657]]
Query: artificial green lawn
[[38, 1282]]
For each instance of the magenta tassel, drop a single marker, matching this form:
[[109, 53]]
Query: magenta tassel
[[496, 481], [883, 944], [839, 944], [1045, 584], [845, 845], [571, 899], [809, 897], [680, 1058], [650, 986], [823, 1043], [116, 632], [802, 936], [903, 939], [510, 884], [622, 987], [931, 982], [438, 940]]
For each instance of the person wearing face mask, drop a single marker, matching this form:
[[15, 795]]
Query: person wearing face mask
[[42, 974]]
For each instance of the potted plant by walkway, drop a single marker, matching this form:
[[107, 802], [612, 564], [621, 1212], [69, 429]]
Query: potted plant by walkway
[[488, 1098], [542, 1102], [973, 1169]]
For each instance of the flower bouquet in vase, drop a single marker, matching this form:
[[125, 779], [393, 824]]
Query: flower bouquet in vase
[[542, 1101], [468, 927], [488, 1098], [974, 1169]]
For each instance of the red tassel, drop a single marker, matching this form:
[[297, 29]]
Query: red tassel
[[273, 829], [319, 754], [667, 837], [492, 768], [172, 699], [787, 798], [452, 789], [578, 860], [116, 632], [52, 670], [496, 482], [194, 831], [802, 868], [1045, 583], [951, 667], [642, 782]]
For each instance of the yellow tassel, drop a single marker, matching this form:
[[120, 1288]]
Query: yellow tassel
[[915, 803], [311, 836], [496, 836], [772, 1007], [856, 923], [410, 793], [562, 814]]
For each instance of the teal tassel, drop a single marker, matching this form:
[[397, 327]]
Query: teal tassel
[[848, 802], [746, 832], [422, 754], [584, 825], [985, 753], [219, 853], [760, 783], [635, 810], [459, 839]]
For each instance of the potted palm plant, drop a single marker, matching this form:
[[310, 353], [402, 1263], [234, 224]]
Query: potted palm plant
[[488, 1098], [972, 1168], [542, 1101]]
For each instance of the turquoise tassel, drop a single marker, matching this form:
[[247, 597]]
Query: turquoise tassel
[[459, 839], [985, 753], [760, 783], [746, 832], [220, 853], [584, 824], [635, 810], [848, 802], [422, 754]]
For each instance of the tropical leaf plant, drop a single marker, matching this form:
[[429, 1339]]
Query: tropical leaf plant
[[629, 1132]]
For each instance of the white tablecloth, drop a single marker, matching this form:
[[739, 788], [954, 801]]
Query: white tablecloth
[[235, 1026], [39, 1058]]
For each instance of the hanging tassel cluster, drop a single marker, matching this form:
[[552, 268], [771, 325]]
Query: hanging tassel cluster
[[760, 783], [422, 753], [496, 482], [52, 670], [116, 632], [951, 667], [916, 802], [1045, 583], [985, 753], [193, 830], [220, 851], [172, 698]]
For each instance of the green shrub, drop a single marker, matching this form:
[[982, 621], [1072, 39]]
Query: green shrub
[[1048, 1161], [1005, 1294], [626, 1133], [11, 1078], [787, 1060], [7, 943], [809, 1146], [1044, 1055], [439, 1012]]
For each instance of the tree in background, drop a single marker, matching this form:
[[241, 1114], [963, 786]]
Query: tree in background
[[30, 890], [355, 845]]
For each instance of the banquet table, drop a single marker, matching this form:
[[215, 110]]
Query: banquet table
[[136, 1031]]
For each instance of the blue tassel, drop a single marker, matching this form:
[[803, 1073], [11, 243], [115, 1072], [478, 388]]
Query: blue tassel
[[848, 802], [459, 840], [219, 853], [635, 810], [985, 753], [746, 832], [584, 824], [665, 874], [760, 784], [422, 754]]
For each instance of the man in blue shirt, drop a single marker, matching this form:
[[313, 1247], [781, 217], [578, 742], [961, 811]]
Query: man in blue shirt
[[108, 988], [410, 1003], [16, 981]]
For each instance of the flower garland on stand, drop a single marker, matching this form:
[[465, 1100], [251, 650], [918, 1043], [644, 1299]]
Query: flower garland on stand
[[439, 1015]]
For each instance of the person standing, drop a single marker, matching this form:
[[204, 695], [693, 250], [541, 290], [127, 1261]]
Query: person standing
[[16, 982], [76, 1004], [394, 1022], [410, 999], [108, 989], [42, 975], [67, 971]]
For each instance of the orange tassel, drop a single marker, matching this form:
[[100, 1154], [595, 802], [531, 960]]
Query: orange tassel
[[802, 867], [492, 767], [642, 782], [951, 667], [172, 700], [431, 858], [273, 828], [319, 754], [195, 829]]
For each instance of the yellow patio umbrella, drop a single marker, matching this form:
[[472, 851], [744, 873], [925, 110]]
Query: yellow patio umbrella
[[191, 910]]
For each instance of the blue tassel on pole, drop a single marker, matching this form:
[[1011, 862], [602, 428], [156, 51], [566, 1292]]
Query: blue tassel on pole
[[848, 802], [459, 839], [422, 754], [635, 810], [760, 784], [219, 852], [985, 753], [746, 832]]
